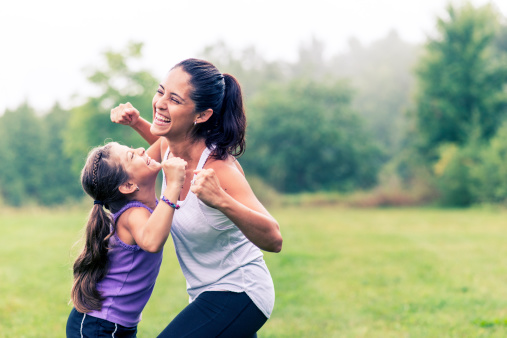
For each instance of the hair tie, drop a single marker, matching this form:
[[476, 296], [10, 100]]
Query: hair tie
[[98, 202]]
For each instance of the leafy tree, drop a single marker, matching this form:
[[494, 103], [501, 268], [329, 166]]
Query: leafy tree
[[304, 137], [381, 74], [22, 156], [60, 183], [461, 80], [488, 175], [118, 82], [501, 40], [453, 171]]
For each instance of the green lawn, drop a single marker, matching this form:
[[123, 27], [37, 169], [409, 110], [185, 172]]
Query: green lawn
[[341, 273]]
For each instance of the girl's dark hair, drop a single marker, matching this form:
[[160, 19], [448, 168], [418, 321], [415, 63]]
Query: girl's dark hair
[[225, 129], [100, 179]]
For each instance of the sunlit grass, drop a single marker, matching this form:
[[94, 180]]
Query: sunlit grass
[[341, 273]]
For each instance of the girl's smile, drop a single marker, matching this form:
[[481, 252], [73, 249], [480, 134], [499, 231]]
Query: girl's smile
[[139, 166]]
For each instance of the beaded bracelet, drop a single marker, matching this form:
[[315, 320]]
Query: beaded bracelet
[[175, 206]]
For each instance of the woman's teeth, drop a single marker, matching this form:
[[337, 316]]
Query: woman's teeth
[[162, 118]]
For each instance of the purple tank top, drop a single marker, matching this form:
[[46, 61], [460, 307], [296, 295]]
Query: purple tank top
[[130, 280]]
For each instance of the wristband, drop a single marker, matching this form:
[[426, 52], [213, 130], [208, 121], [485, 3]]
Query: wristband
[[175, 206]]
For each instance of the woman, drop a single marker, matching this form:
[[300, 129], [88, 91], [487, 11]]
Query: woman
[[115, 273], [198, 115]]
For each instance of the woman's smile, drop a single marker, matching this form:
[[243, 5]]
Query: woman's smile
[[161, 119]]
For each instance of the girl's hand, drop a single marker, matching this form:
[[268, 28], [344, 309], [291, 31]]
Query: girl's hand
[[125, 114], [206, 187], [174, 170]]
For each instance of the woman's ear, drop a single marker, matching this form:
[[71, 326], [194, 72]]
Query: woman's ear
[[128, 188], [204, 115]]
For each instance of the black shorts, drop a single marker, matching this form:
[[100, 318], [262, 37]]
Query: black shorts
[[81, 325]]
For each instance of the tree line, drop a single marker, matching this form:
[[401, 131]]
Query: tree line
[[431, 114]]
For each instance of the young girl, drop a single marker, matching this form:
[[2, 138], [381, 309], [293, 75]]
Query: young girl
[[115, 273]]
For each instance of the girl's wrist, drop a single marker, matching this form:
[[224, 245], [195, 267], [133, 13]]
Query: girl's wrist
[[173, 186], [172, 192], [169, 202]]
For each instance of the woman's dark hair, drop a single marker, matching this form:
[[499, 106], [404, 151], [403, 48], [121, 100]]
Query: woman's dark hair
[[225, 129], [100, 179]]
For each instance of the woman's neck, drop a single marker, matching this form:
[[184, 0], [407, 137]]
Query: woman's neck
[[188, 150]]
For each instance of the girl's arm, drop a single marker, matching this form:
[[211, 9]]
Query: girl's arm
[[150, 232], [225, 188], [127, 115]]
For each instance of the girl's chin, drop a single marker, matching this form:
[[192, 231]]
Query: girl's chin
[[157, 167]]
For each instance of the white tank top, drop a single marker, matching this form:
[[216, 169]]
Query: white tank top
[[214, 255]]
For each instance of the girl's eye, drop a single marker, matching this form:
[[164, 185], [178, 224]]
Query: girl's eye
[[160, 92], [175, 100]]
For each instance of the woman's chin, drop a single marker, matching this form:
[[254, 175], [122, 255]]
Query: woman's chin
[[157, 130]]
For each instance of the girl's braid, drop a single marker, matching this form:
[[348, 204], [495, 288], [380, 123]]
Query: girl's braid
[[98, 156]]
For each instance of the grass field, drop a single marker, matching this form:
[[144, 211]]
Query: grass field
[[341, 273]]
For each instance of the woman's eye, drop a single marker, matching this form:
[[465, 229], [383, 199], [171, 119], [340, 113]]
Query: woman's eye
[[175, 100], [160, 92]]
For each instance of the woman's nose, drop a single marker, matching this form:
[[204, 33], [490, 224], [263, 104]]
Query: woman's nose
[[161, 103]]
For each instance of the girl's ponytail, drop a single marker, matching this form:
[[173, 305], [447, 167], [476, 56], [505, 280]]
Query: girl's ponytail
[[91, 265]]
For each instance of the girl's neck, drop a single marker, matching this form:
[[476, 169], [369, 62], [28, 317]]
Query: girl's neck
[[147, 196]]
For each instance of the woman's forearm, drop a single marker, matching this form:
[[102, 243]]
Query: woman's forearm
[[262, 230], [142, 127]]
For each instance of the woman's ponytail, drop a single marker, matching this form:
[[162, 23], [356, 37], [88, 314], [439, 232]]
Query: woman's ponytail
[[230, 137]]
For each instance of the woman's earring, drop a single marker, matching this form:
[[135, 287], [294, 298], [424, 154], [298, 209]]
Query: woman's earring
[[195, 122], [137, 189]]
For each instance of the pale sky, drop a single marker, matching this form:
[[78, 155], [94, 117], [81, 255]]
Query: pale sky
[[46, 44]]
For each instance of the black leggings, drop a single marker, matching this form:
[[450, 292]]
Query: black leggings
[[217, 314]]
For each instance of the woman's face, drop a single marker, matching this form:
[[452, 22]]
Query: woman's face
[[173, 110], [139, 166]]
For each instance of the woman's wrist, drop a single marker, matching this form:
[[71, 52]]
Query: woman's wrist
[[224, 202], [140, 121]]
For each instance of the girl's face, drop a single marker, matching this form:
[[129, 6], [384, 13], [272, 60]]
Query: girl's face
[[173, 110], [139, 166]]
